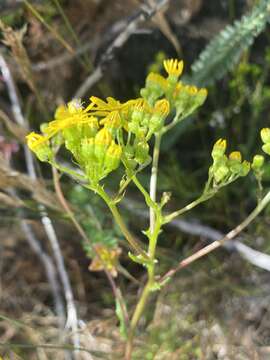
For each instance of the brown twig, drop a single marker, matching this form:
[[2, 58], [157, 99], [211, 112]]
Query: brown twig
[[216, 244]]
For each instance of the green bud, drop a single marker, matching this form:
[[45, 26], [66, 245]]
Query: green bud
[[266, 148], [39, 144], [129, 151], [234, 163], [131, 164], [245, 168], [141, 152], [87, 150], [257, 162], [155, 123], [137, 115], [265, 135], [133, 127], [219, 149], [220, 173], [44, 152]]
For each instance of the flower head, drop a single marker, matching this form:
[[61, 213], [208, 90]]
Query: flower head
[[173, 67], [35, 140], [162, 107], [39, 145]]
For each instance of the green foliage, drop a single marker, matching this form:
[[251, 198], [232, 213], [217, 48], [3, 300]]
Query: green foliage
[[224, 51], [94, 220]]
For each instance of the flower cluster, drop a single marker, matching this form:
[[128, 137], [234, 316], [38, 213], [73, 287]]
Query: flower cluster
[[226, 169], [105, 133], [183, 99]]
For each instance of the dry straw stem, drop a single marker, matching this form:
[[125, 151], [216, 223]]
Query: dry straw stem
[[14, 39], [18, 131], [16, 179], [54, 32], [72, 318], [10, 201]]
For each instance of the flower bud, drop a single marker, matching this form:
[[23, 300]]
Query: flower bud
[[162, 107], [40, 146], [129, 151], [245, 168], [87, 150], [113, 156], [102, 142], [220, 173], [219, 149], [235, 159], [137, 115], [174, 69], [265, 135], [141, 152], [235, 156], [257, 162], [155, 123], [161, 110], [266, 148]]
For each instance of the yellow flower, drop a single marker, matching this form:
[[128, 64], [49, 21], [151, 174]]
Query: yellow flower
[[39, 145], [162, 107], [173, 67], [103, 137], [35, 140], [102, 108], [56, 126], [106, 259], [112, 120], [236, 156], [192, 90], [219, 149], [114, 150]]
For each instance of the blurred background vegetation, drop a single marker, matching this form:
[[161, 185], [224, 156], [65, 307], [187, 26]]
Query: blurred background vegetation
[[55, 50]]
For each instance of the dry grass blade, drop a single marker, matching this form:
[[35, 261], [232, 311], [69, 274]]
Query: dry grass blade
[[12, 178], [165, 28], [18, 131], [10, 201], [14, 39]]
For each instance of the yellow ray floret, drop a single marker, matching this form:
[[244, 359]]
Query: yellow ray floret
[[173, 67], [35, 140]]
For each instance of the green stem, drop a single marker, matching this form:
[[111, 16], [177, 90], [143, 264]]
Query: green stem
[[146, 291], [155, 226], [119, 220], [153, 180], [188, 207]]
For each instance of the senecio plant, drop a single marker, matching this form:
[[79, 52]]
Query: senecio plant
[[104, 136]]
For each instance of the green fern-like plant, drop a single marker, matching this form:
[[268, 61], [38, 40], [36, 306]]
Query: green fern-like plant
[[224, 51]]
